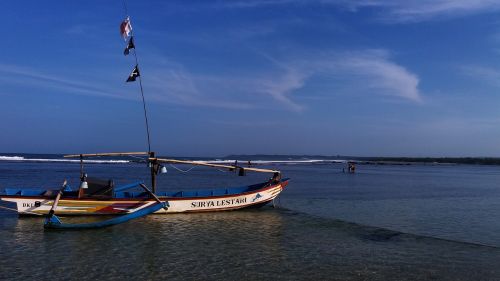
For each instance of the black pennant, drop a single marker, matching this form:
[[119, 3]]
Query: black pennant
[[130, 45], [135, 73]]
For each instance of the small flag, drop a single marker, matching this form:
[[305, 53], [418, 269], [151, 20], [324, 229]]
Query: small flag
[[130, 45], [135, 73], [125, 28]]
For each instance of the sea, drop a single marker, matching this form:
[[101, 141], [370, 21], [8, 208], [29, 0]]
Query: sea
[[422, 221]]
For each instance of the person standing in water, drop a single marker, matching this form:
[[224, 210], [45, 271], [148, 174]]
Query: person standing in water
[[351, 168]]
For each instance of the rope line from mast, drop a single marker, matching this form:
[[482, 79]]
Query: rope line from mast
[[180, 170], [140, 82]]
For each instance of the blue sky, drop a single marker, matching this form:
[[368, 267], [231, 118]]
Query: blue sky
[[361, 77]]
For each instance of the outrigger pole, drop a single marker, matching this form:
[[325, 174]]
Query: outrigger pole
[[53, 221], [157, 161], [172, 161], [208, 164]]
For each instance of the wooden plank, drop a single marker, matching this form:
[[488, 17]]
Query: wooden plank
[[105, 154], [261, 170], [206, 164]]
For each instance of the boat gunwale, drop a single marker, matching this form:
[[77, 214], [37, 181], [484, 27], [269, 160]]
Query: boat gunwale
[[283, 183]]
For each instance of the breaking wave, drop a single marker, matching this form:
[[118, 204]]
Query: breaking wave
[[217, 161]]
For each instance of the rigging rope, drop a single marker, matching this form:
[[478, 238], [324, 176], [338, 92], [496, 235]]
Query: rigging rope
[[140, 82], [138, 157], [180, 170]]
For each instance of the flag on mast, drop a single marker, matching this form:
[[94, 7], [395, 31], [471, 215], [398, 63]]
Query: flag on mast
[[130, 45], [125, 28], [135, 73]]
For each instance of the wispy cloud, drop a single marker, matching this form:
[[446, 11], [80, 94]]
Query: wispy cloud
[[366, 72], [77, 29], [393, 10], [165, 85], [31, 77], [246, 124], [487, 74], [256, 3], [374, 70], [369, 72], [225, 91], [173, 83], [283, 86], [422, 10]]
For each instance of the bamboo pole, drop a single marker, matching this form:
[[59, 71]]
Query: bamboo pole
[[153, 195], [174, 161], [206, 164], [56, 200], [105, 154]]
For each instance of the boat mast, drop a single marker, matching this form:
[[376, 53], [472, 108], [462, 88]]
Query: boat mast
[[140, 82], [154, 164]]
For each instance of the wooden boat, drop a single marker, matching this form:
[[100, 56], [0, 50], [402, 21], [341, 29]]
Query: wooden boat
[[101, 197], [31, 201], [37, 201]]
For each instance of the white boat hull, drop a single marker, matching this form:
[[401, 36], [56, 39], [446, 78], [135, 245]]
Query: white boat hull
[[32, 205]]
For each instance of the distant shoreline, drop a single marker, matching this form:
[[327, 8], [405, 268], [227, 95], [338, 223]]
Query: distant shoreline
[[260, 159], [380, 160]]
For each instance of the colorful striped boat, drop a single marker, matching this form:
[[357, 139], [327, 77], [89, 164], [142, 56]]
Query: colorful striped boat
[[40, 202], [98, 197]]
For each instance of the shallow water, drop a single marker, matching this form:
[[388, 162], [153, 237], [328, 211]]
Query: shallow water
[[383, 223], [452, 202]]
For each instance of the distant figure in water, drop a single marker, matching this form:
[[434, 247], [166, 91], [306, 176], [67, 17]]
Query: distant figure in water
[[351, 168], [249, 163]]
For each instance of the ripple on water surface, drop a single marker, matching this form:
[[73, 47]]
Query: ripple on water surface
[[276, 244]]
